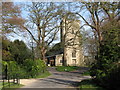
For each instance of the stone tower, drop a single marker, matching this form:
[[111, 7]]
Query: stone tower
[[70, 40]]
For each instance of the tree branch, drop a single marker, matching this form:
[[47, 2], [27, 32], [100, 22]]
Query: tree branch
[[30, 33], [86, 21]]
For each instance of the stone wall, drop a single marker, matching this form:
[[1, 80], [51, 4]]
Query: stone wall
[[59, 60]]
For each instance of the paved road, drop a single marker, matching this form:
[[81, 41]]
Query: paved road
[[57, 80]]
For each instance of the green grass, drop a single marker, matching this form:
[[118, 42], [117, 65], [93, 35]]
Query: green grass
[[66, 68], [87, 73], [42, 75], [45, 74], [89, 84], [12, 86]]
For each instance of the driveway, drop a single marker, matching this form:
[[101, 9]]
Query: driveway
[[56, 80]]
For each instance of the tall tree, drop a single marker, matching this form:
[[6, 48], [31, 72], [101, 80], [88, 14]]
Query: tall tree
[[19, 51], [106, 70], [6, 55], [42, 22], [98, 13]]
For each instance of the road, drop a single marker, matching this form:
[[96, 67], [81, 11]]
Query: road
[[56, 80]]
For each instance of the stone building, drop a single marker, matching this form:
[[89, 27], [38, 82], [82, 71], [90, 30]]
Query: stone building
[[70, 40]]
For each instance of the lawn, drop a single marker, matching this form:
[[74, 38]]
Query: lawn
[[45, 74], [66, 68], [12, 86], [89, 84]]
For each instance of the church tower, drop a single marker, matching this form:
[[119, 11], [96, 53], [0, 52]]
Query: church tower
[[71, 41]]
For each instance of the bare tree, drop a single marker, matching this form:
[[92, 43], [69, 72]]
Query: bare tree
[[42, 25], [98, 13]]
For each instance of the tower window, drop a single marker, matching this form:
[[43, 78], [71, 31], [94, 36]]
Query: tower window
[[74, 53], [61, 61]]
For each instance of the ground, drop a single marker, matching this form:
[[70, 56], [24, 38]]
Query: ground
[[56, 80]]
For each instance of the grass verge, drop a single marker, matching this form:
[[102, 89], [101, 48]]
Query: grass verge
[[89, 84], [45, 74], [66, 68], [11, 87]]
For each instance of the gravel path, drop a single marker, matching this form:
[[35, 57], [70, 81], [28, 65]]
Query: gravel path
[[56, 80]]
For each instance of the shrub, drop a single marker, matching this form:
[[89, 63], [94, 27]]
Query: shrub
[[105, 71], [34, 68], [111, 80], [29, 69], [13, 69]]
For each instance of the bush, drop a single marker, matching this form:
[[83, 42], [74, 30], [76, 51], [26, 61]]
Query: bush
[[106, 69], [89, 85], [29, 69], [109, 79], [14, 70], [112, 79], [34, 68]]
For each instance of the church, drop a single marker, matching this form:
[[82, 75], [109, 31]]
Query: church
[[72, 53]]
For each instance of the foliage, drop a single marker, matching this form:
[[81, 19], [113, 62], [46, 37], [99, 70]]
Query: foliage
[[12, 86], [29, 69], [107, 66], [13, 69], [89, 84], [86, 73], [17, 57], [57, 48], [15, 51], [6, 55], [34, 68], [66, 68]]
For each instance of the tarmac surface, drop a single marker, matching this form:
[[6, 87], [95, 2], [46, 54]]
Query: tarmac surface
[[56, 80]]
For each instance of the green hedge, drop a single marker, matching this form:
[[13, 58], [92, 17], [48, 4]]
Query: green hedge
[[29, 68], [110, 79]]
